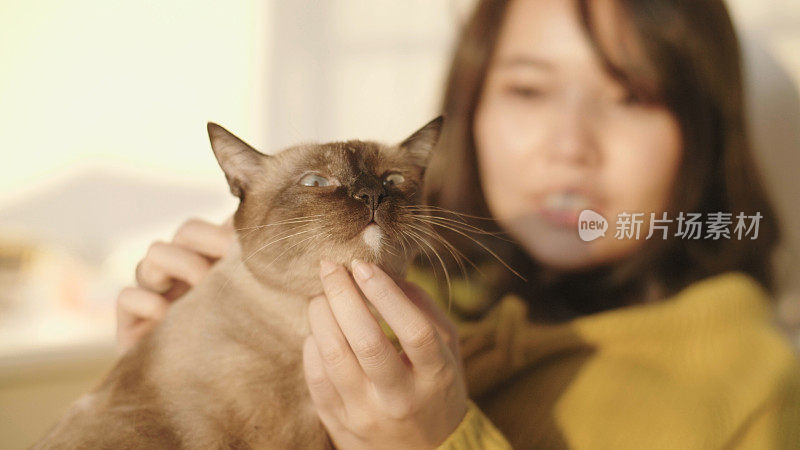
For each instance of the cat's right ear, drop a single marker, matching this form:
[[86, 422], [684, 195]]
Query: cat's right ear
[[241, 163]]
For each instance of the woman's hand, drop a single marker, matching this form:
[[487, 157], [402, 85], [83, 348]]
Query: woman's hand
[[367, 394], [167, 271]]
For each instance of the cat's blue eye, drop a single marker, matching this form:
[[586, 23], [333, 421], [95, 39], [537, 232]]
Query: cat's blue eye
[[393, 179], [314, 180]]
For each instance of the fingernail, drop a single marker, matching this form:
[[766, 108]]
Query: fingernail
[[361, 270], [326, 267]]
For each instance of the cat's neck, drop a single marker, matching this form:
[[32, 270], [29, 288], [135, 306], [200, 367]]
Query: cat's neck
[[236, 286]]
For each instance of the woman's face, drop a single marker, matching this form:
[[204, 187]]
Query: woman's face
[[555, 135]]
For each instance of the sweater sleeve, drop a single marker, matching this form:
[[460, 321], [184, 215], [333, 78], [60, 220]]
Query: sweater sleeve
[[475, 432]]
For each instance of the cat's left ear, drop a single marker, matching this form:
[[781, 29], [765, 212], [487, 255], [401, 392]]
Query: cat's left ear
[[241, 163], [421, 144]]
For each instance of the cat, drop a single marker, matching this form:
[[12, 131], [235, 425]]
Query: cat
[[224, 367]]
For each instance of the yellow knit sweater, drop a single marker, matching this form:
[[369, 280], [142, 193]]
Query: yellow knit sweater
[[704, 369]]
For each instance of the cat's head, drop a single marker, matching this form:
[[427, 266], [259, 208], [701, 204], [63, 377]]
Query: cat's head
[[336, 201]]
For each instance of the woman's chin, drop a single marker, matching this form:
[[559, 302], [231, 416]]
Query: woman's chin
[[553, 246], [562, 260]]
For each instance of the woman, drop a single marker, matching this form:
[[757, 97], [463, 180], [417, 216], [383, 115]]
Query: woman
[[554, 107]]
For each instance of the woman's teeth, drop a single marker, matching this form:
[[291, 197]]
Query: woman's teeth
[[567, 201]]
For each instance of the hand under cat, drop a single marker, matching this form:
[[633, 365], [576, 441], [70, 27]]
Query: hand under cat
[[166, 272], [367, 394]]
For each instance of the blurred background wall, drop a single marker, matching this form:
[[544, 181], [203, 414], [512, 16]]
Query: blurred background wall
[[103, 105]]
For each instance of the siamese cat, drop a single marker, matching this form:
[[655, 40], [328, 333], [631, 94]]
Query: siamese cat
[[224, 367]]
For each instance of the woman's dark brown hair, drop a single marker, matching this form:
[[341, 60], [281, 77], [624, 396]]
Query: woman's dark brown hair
[[695, 71]]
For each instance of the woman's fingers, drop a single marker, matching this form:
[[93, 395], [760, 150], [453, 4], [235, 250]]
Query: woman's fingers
[[168, 271], [350, 356], [326, 399], [206, 238], [167, 262], [338, 359], [376, 355], [141, 304], [196, 246], [416, 333], [177, 289], [425, 303], [323, 392], [138, 310]]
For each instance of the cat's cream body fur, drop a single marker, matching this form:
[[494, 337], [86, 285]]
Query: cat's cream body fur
[[223, 370]]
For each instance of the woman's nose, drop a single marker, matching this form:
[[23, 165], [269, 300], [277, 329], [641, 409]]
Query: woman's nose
[[574, 139]]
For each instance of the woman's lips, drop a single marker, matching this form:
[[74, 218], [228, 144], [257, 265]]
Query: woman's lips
[[563, 208], [561, 219]]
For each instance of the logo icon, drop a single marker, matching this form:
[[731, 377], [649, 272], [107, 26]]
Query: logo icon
[[591, 225]]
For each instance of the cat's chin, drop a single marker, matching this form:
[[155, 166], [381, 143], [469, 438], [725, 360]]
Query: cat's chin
[[300, 275], [373, 237], [308, 284]]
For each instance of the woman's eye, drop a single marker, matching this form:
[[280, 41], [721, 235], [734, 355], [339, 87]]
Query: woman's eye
[[314, 180], [524, 91], [393, 179]]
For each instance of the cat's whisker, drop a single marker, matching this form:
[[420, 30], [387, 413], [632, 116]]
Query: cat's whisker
[[397, 245], [290, 247], [401, 240], [448, 244], [275, 241], [412, 242], [452, 249], [311, 242], [463, 225], [441, 261], [415, 242], [458, 257], [388, 246], [444, 268], [455, 253], [283, 222], [282, 233], [443, 210], [453, 214], [499, 259], [287, 222], [243, 261], [276, 224]]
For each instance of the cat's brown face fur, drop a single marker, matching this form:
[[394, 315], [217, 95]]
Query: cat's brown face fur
[[285, 226]]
